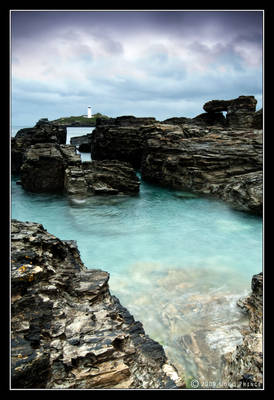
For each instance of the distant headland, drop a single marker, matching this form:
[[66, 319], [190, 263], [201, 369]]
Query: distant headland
[[81, 120]]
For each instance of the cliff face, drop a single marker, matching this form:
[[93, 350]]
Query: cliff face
[[244, 366], [67, 330]]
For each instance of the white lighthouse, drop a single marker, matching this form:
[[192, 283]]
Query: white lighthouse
[[89, 112]]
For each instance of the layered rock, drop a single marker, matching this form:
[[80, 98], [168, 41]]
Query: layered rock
[[119, 139], [224, 162], [244, 366], [240, 111], [49, 167], [44, 165], [67, 330], [100, 178], [42, 132]]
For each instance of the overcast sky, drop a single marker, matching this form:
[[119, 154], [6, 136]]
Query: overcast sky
[[143, 63]]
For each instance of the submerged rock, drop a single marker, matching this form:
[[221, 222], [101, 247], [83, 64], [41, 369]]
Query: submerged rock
[[243, 367], [67, 330]]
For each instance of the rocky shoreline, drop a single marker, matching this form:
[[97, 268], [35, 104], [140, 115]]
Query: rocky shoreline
[[68, 331]]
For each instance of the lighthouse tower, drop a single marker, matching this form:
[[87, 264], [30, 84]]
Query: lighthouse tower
[[89, 112]]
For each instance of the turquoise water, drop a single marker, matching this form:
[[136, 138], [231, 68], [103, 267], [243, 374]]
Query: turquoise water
[[178, 262]]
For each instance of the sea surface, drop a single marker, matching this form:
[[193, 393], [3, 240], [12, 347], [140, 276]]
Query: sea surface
[[177, 261]]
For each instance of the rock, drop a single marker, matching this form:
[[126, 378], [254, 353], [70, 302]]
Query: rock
[[247, 103], [67, 330], [83, 142], [258, 120], [244, 191], [244, 365], [209, 119], [240, 111], [42, 132], [119, 139], [100, 178], [177, 121], [44, 165], [225, 163]]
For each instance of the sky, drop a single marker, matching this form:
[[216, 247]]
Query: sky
[[158, 64]]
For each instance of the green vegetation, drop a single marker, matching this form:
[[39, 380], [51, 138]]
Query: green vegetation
[[79, 120]]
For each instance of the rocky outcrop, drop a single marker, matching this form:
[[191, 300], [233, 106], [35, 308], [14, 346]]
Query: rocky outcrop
[[119, 139], [67, 330], [225, 163], [44, 166], [49, 167], [82, 143], [240, 111], [100, 178], [42, 132], [244, 366]]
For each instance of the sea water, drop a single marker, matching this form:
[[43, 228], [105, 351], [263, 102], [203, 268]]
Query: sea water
[[179, 262]]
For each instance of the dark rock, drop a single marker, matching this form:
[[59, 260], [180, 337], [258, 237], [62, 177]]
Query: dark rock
[[44, 165], [83, 143], [125, 120], [177, 120], [42, 132], [109, 177], [247, 359], [258, 120], [247, 103], [210, 118], [240, 111], [119, 139], [67, 330], [225, 163]]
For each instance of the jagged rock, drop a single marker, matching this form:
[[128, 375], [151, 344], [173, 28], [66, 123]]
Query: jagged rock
[[244, 366], [240, 111], [101, 177], [42, 132], [67, 330], [225, 163], [244, 191], [44, 165], [83, 142]]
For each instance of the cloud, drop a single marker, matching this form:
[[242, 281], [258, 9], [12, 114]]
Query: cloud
[[160, 64]]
